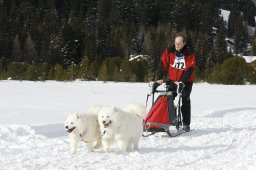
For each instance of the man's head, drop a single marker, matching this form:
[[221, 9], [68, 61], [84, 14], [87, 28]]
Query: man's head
[[180, 41]]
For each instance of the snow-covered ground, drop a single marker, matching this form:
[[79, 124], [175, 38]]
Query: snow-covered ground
[[32, 135], [249, 59]]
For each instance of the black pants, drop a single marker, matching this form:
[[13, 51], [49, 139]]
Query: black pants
[[186, 104]]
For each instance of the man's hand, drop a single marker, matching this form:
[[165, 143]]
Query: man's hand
[[160, 81]]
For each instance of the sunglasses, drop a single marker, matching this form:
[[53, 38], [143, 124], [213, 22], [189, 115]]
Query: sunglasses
[[178, 43]]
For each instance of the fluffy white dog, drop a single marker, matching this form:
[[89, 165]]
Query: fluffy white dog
[[84, 127], [121, 126]]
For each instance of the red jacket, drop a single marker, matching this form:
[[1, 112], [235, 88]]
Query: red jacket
[[181, 64]]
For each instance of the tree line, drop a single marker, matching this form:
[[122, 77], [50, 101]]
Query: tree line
[[93, 39]]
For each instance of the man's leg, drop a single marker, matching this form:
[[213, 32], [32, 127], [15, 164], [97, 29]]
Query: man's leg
[[186, 105], [186, 110]]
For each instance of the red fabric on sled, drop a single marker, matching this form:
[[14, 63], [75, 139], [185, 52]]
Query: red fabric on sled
[[158, 113]]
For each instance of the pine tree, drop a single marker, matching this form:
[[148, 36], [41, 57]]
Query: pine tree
[[103, 32], [84, 68], [240, 36], [139, 68], [208, 15], [110, 68], [186, 14], [202, 51], [54, 55], [211, 60], [17, 54], [71, 49], [58, 72], [90, 29], [249, 11], [3, 65], [149, 12], [232, 20], [125, 70], [51, 73], [16, 70], [31, 73], [220, 46], [71, 72], [44, 71], [102, 74], [253, 49], [30, 53], [93, 71]]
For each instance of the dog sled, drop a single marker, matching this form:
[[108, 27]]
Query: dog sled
[[164, 115]]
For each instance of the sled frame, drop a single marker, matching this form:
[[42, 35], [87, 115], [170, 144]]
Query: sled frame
[[178, 112]]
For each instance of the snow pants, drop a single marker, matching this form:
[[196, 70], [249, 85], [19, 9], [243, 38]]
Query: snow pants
[[186, 104]]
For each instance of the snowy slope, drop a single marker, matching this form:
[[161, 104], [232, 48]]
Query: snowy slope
[[225, 15], [32, 134]]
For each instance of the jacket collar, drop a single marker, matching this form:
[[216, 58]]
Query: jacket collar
[[185, 50]]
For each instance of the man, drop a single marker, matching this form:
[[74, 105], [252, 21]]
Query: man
[[180, 62]]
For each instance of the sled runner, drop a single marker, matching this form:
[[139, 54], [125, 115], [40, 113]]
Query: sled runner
[[164, 115]]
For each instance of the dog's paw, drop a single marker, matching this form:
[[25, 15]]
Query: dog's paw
[[98, 145]]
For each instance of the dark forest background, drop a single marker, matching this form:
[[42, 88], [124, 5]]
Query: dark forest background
[[94, 39]]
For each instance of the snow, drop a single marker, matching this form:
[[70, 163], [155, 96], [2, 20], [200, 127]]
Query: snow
[[225, 14], [251, 30], [249, 59], [134, 57], [32, 135]]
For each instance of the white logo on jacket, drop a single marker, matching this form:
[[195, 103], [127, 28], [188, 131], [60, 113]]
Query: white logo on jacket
[[179, 62]]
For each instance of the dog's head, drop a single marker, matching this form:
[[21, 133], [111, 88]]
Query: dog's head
[[71, 122], [105, 116]]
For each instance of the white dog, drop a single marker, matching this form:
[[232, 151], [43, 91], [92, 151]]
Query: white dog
[[121, 126], [84, 127]]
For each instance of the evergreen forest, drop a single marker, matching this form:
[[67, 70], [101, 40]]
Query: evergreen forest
[[66, 40]]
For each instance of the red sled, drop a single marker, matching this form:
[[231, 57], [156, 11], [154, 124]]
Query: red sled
[[163, 113]]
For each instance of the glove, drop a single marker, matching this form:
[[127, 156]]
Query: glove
[[154, 87], [171, 86], [180, 87]]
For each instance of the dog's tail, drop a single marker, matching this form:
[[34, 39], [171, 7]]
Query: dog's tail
[[137, 109]]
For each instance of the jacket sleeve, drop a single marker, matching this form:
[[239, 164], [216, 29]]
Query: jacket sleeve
[[191, 63], [163, 65]]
